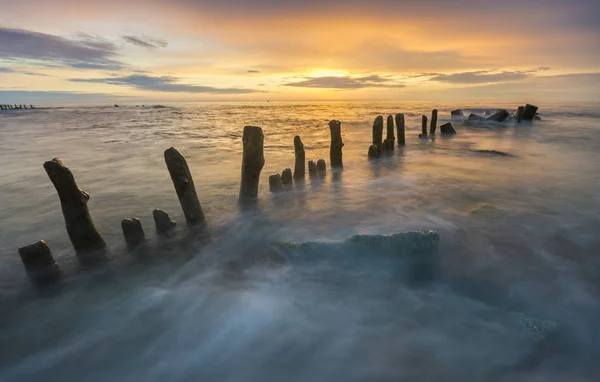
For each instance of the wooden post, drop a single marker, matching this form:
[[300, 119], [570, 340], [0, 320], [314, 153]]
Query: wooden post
[[321, 167], [82, 232], [133, 232], [378, 133], [39, 264], [275, 183], [312, 169], [300, 165], [400, 128], [389, 143], [253, 160], [335, 150], [164, 224], [287, 178], [424, 126], [373, 151], [184, 186], [433, 125]]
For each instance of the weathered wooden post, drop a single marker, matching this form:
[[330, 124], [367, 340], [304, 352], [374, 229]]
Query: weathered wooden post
[[133, 232], [378, 133], [433, 125], [184, 186], [373, 151], [275, 183], [39, 263], [287, 178], [312, 169], [253, 160], [400, 128], [164, 224], [321, 167], [424, 127], [83, 234], [390, 141], [335, 150], [300, 164]]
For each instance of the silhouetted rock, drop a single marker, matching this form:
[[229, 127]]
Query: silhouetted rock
[[457, 114], [499, 116], [447, 128], [492, 153], [474, 117], [529, 112]]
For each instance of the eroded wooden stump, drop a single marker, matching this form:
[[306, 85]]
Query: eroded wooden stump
[[424, 126], [378, 133], [335, 150], [184, 186], [300, 164], [400, 129], [519, 113], [39, 263], [133, 232], [373, 153], [84, 236], [312, 169], [433, 125], [275, 183], [164, 224], [253, 160], [287, 178], [390, 140], [321, 167]]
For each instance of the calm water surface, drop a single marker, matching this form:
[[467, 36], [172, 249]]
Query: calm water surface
[[519, 235]]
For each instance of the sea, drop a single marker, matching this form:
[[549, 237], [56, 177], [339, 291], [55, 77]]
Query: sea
[[511, 294]]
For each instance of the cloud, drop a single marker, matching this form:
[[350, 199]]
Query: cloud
[[146, 42], [480, 77], [346, 82], [87, 53], [167, 84], [11, 70], [253, 71], [7, 70]]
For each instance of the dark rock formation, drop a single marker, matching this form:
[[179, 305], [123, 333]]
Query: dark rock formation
[[474, 117], [286, 177], [275, 183], [133, 232], [390, 141], [529, 112], [253, 160], [184, 186], [499, 116], [457, 114], [300, 164], [39, 264], [492, 153], [400, 129], [447, 128], [321, 167], [519, 113], [433, 125], [335, 150], [312, 169], [378, 133], [164, 224], [424, 126], [86, 240]]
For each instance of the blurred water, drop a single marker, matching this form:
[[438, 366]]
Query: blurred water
[[518, 234]]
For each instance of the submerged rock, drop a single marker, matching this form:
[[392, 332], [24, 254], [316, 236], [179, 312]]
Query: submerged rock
[[447, 128], [529, 112], [474, 117], [457, 114], [499, 116], [492, 152], [405, 243]]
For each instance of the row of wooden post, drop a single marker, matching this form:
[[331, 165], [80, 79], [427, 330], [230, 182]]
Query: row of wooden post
[[15, 107], [379, 145], [89, 245]]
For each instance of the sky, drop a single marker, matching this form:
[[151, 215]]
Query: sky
[[58, 51]]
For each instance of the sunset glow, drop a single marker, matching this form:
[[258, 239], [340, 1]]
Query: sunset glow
[[202, 50]]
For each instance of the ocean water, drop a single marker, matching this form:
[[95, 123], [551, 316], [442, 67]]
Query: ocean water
[[518, 238]]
